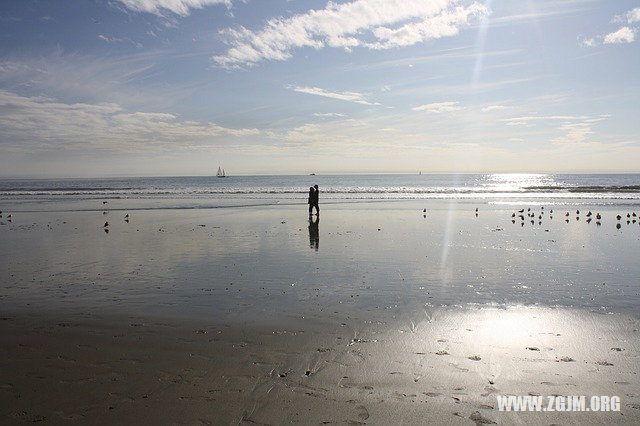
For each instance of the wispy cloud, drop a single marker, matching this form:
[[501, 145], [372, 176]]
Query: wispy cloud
[[490, 108], [623, 35], [108, 39], [630, 17], [31, 123], [372, 24], [439, 107], [90, 79], [358, 98], [178, 7], [329, 114], [546, 118]]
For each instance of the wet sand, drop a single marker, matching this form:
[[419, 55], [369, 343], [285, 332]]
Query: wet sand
[[252, 315]]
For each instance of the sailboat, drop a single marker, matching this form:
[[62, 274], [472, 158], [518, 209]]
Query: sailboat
[[221, 173]]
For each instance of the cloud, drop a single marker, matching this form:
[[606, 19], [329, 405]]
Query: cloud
[[358, 98], [589, 42], [31, 123], [623, 35], [489, 108], [119, 79], [575, 133], [546, 118], [178, 7], [108, 39], [372, 24], [439, 107], [329, 114], [630, 17]]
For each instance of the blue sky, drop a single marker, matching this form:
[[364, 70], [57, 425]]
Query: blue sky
[[179, 87]]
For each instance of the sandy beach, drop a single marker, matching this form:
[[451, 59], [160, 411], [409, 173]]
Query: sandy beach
[[380, 313]]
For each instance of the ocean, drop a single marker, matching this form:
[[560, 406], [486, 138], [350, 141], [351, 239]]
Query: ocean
[[333, 187]]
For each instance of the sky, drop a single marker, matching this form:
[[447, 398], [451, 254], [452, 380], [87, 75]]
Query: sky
[[93, 88]]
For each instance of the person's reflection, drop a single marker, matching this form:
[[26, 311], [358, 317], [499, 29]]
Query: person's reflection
[[314, 232]]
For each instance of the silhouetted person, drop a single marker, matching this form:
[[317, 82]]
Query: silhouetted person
[[310, 199], [314, 233], [313, 199]]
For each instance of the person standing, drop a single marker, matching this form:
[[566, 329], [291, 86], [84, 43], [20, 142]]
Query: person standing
[[313, 199]]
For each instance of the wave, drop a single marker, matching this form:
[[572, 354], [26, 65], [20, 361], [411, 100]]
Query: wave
[[586, 189]]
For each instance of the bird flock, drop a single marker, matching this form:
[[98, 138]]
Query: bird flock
[[530, 215]]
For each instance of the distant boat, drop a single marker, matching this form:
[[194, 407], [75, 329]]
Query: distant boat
[[221, 173], [312, 174]]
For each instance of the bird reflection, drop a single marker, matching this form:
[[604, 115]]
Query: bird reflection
[[314, 232]]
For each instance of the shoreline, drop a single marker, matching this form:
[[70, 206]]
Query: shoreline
[[380, 313]]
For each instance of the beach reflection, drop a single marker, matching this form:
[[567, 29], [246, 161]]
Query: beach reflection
[[314, 232]]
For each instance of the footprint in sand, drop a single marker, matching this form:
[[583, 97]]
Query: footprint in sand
[[442, 353], [480, 419], [489, 390], [605, 363], [533, 348], [567, 359], [363, 413], [617, 349], [475, 358]]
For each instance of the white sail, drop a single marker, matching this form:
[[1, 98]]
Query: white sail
[[220, 172]]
